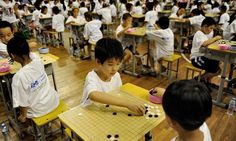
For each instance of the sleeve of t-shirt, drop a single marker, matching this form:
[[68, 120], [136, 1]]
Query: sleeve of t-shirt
[[147, 17], [89, 86], [233, 27], [199, 39], [118, 30], [154, 35], [69, 19], [54, 22], [19, 93], [222, 19], [192, 20]]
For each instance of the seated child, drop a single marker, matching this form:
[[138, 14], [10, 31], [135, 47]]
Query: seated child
[[230, 32], [92, 31], [164, 42], [150, 16], [104, 78], [125, 41], [105, 12], [197, 57], [82, 9], [224, 18], [187, 105], [44, 12], [31, 90]]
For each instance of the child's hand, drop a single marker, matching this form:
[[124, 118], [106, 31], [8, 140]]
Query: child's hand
[[138, 109], [217, 38], [22, 118]]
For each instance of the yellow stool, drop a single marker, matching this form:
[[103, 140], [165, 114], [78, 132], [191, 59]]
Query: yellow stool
[[190, 67], [40, 122], [170, 60], [53, 40]]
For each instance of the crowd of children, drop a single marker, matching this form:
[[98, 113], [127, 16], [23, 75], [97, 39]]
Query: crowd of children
[[34, 95]]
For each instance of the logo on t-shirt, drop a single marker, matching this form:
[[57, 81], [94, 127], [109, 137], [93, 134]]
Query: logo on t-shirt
[[37, 83]]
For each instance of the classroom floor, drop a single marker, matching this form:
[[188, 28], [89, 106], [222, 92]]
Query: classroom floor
[[70, 75]]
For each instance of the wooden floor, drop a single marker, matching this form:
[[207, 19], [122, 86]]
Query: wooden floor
[[70, 75]]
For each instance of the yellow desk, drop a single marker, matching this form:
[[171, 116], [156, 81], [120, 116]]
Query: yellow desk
[[96, 122], [227, 57], [46, 21], [5, 79], [138, 16], [164, 13]]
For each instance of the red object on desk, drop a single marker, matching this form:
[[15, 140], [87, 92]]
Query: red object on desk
[[4, 66], [130, 30]]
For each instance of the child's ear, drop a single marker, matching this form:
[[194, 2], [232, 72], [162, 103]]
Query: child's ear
[[97, 61]]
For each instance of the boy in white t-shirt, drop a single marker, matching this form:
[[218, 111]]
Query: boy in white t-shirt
[[164, 42], [224, 18], [187, 105], [82, 9], [150, 16], [197, 57], [58, 23], [104, 78], [105, 12], [230, 32], [92, 31], [31, 90]]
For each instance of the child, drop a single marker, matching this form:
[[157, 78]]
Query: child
[[31, 90], [104, 78], [230, 32], [224, 18], [151, 15], [82, 9], [164, 42], [92, 32], [138, 8], [105, 12], [58, 23], [196, 19], [125, 41], [187, 105], [198, 59], [44, 12], [75, 18], [113, 9]]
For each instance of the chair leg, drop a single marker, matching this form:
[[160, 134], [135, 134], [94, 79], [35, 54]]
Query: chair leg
[[41, 129]]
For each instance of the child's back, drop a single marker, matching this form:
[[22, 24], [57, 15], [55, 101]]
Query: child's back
[[31, 88], [92, 30], [58, 23]]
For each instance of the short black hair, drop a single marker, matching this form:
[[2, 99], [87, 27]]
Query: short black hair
[[128, 6], [18, 45], [163, 22], [88, 15], [107, 48], [82, 4], [223, 8], [43, 8], [196, 12], [126, 16], [55, 10], [208, 21], [149, 6], [5, 24], [187, 102]]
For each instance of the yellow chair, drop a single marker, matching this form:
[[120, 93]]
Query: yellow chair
[[170, 60], [191, 68], [40, 122], [69, 133]]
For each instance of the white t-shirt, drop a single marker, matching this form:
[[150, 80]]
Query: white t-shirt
[[8, 12], [175, 9], [3, 48], [215, 10], [92, 31], [36, 14], [151, 17], [138, 10], [230, 31], [58, 23], [82, 10], [94, 83], [31, 88], [113, 10], [224, 20], [198, 39], [125, 40], [106, 14], [164, 42], [193, 7], [196, 21], [78, 20], [206, 133]]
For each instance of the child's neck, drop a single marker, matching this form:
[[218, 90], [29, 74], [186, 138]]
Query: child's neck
[[195, 135], [102, 76], [25, 62]]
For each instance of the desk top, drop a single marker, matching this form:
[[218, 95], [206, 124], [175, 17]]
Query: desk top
[[137, 31], [137, 16], [165, 11], [97, 121], [215, 46], [212, 15], [46, 58], [45, 18], [75, 24]]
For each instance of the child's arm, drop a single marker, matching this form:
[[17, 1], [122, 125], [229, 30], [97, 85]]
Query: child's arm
[[117, 101], [23, 114], [121, 33], [210, 41]]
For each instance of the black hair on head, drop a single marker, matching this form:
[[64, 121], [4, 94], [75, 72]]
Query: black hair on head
[[126, 16], [5, 24], [55, 10], [18, 45], [187, 102], [108, 48], [163, 22], [208, 21]]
